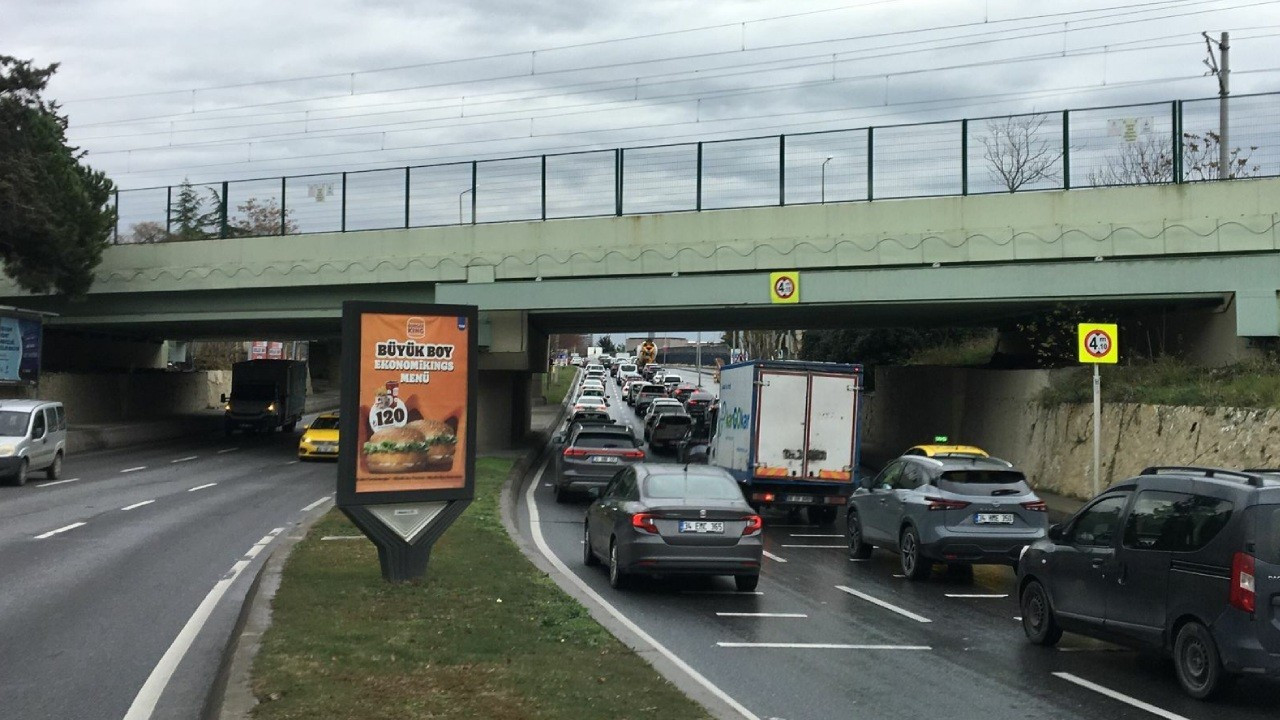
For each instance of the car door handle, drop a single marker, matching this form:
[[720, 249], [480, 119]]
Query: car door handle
[[1097, 562]]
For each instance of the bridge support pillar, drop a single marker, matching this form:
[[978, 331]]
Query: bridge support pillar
[[504, 410]]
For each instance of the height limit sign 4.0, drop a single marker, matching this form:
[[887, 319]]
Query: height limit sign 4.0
[[1098, 343]]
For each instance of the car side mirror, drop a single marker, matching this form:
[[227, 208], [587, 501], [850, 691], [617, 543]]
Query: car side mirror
[[1055, 532], [557, 439], [224, 398], [594, 492]]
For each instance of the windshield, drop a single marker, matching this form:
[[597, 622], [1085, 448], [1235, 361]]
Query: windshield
[[13, 423], [325, 423], [603, 441], [248, 391], [691, 487], [984, 477]]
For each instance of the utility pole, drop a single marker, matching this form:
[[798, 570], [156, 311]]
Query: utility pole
[[1221, 67]]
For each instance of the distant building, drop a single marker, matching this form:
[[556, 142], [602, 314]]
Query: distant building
[[669, 342]]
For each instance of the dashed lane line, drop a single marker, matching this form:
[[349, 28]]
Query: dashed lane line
[[977, 595], [820, 646], [886, 605], [189, 458], [824, 547], [227, 450], [133, 469], [201, 487], [1160, 712], [761, 615], [57, 482], [144, 703], [773, 557], [51, 533], [137, 505], [721, 592], [535, 526], [316, 504]]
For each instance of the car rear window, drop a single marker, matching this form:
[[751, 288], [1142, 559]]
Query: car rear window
[[603, 441], [653, 390], [691, 486], [984, 477]]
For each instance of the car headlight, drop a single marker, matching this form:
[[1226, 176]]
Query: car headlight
[[306, 439], [227, 406], [271, 407], [6, 450]]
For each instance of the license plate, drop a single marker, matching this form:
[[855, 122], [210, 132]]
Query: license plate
[[701, 526], [993, 518], [604, 459], [328, 449], [800, 498]]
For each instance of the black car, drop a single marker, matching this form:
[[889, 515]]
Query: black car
[[1181, 560]]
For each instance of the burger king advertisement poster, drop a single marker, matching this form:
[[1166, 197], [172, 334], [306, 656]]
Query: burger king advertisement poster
[[409, 403]]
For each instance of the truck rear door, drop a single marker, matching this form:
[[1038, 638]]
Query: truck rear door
[[833, 418], [780, 424]]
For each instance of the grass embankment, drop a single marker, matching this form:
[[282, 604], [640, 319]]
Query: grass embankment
[[1172, 382], [559, 381], [486, 635]]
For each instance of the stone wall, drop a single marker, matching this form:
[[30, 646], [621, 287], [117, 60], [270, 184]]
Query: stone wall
[[998, 411]]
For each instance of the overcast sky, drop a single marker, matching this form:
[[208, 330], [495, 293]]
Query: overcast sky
[[158, 91]]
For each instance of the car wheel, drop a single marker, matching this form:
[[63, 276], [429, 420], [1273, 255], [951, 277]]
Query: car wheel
[[1038, 621], [914, 565], [588, 556], [20, 477], [617, 578], [54, 471], [858, 547], [1196, 659], [746, 583]]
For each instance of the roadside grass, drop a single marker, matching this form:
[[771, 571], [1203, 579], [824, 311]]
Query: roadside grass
[[975, 351], [1173, 382], [486, 635], [559, 381]]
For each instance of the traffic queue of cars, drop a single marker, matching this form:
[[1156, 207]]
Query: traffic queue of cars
[[1183, 561]]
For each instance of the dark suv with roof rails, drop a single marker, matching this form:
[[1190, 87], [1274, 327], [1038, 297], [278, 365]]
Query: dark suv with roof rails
[[1182, 560]]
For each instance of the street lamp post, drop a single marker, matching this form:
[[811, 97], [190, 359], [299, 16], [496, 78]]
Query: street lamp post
[[824, 178], [460, 196]]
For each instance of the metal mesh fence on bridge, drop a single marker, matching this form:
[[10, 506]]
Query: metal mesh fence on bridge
[[1149, 143]]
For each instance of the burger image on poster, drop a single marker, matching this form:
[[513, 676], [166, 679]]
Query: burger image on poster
[[421, 445]]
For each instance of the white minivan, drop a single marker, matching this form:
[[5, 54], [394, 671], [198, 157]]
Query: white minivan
[[33, 436]]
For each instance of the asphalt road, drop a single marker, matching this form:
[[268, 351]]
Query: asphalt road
[[826, 637], [102, 572]]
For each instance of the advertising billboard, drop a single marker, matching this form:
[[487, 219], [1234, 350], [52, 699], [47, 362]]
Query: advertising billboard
[[20, 349]]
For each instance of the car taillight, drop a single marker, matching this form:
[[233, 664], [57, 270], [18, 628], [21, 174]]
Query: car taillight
[[575, 452], [754, 524], [936, 503], [634, 454], [1243, 596], [1035, 505], [645, 522]]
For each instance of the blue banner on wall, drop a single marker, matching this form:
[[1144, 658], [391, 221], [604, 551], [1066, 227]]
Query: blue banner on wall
[[19, 350]]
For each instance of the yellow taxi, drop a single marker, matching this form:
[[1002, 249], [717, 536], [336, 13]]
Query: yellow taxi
[[320, 439], [940, 448]]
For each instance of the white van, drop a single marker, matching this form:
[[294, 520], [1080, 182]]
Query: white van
[[33, 436]]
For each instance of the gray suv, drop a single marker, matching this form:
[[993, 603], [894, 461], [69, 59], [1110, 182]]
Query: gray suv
[[956, 510], [1180, 560]]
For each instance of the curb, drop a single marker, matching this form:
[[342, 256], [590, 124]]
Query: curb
[[231, 696], [509, 504]]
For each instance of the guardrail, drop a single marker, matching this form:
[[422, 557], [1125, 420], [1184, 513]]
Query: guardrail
[[1148, 143]]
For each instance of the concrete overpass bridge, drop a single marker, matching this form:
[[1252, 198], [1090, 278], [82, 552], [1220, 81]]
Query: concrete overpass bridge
[[1210, 251]]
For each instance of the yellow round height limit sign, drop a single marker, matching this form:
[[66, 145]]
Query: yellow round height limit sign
[[784, 287], [1098, 343]]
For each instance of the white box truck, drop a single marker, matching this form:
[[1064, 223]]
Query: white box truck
[[788, 431]]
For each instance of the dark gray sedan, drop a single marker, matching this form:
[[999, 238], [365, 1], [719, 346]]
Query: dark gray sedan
[[672, 520]]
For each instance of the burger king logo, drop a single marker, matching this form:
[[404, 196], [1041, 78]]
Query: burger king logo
[[416, 327]]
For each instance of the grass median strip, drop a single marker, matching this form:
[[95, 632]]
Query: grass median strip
[[486, 635]]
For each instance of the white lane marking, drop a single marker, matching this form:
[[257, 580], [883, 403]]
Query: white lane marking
[[1119, 696], [51, 533], [762, 615], [1094, 649], [144, 703], [721, 592], [886, 605], [57, 482], [316, 504], [773, 557], [900, 576], [821, 646], [227, 450], [188, 458], [137, 505], [342, 537], [818, 536], [133, 469], [535, 526], [1018, 618], [827, 547], [201, 487], [292, 462], [976, 595]]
